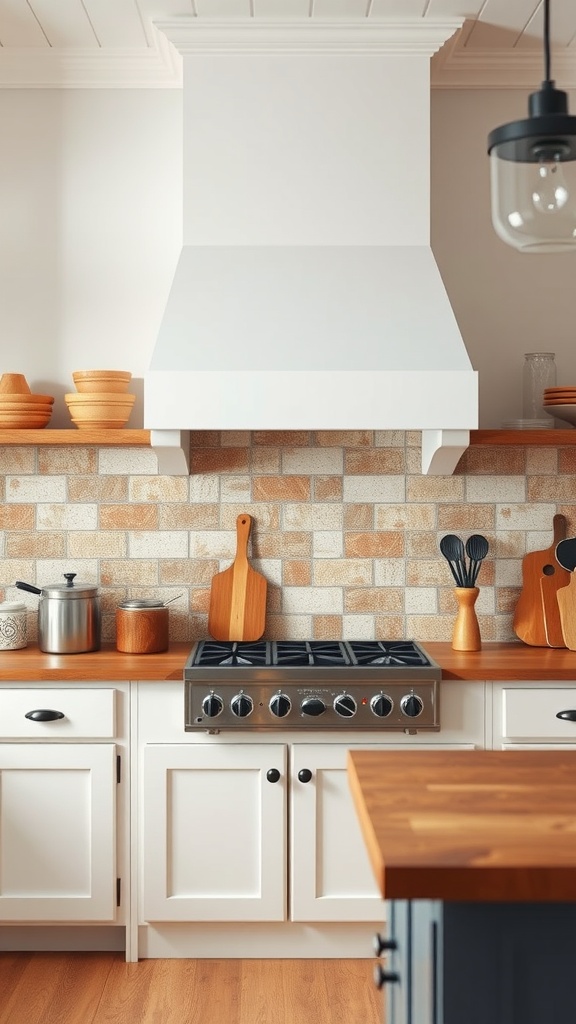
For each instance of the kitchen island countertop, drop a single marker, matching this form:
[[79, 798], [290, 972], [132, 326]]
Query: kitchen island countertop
[[480, 825], [497, 661]]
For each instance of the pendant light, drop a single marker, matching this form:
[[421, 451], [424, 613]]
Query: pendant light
[[533, 170]]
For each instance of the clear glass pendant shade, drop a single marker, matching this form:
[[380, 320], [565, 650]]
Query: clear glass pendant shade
[[534, 204]]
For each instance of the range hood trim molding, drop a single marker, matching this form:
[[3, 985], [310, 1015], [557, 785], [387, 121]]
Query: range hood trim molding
[[423, 36]]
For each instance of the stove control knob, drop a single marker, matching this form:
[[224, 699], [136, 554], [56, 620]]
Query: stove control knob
[[280, 705], [212, 705], [411, 705], [242, 705], [313, 706], [381, 705], [345, 705]]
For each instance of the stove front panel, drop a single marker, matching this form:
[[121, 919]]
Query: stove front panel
[[391, 685]]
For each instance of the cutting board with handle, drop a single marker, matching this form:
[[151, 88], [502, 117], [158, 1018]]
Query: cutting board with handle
[[537, 616], [567, 605], [238, 595]]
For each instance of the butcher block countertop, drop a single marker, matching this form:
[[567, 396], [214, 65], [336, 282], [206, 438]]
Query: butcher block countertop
[[480, 825], [498, 661]]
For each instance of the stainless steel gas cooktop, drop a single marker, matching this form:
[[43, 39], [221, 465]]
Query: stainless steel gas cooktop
[[311, 684]]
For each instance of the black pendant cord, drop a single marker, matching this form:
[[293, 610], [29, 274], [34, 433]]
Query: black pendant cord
[[547, 41]]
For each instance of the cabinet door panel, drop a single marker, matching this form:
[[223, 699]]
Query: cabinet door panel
[[57, 832], [331, 877], [214, 833]]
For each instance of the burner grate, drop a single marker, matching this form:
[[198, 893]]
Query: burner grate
[[387, 652], [305, 653]]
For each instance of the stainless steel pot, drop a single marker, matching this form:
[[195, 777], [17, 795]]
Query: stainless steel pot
[[68, 616]]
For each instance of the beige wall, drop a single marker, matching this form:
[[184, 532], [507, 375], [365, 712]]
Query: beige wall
[[346, 528]]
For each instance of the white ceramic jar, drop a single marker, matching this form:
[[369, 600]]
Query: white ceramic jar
[[13, 634]]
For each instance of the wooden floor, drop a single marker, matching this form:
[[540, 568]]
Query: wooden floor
[[100, 988]]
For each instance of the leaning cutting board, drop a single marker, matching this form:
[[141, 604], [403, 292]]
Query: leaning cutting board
[[567, 604], [537, 617], [238, 595]]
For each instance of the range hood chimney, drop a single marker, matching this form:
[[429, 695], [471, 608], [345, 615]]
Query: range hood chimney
[[306, 295]]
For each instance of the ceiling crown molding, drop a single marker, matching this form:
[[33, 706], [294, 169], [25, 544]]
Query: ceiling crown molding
[[347, 35], [456, 66], [157, 66]]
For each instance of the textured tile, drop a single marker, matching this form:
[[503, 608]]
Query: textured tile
[[471, 517], [422, 545], [66, 517], [391, 627], [119, 461], [374, 460], [430, 627], [312, 461], [327, 544], [265, 460], [235, 438], [296, 573], [525, 517], [551, 488], [204, 439], [327, 627], [235, 488], [187, 572], [374, 545], [317, 600], [189, 517], [357, 627], [51, 570], [567, 460], [220, 460], [127, 517], [130, 572], [158, 544], [17, 461], [507, 599], [389, 438], [21, 489], [426, 489], [542, 461], [35, 545], [374, 488], [158, 488], [421, 600], [359, 516], [98, 488], [497, 488], [371, 600], [405, 517], [313, 516], [497, 460], [295, 627], [327, 488], [427, 572], [389, 572], [70, 461], [204, 490], [97, 545], [343, 572], [344, 438], [281, 488], [285, 544], [17, 517], [220, 544], [281, 438]]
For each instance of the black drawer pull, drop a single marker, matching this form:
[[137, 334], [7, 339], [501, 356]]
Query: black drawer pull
[[568, 716], [44, 715]]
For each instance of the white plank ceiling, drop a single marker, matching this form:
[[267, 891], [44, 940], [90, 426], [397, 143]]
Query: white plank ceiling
[[498, 37]]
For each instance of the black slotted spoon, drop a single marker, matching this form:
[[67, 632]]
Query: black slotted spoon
[[453, 550], [476, 549]]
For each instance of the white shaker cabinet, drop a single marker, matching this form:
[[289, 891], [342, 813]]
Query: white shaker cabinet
[[59, 776], [533, 715], [214, 840]]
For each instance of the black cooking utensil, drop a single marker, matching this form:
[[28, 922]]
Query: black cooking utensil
[[476, 549], [566, 553], [453, 550]]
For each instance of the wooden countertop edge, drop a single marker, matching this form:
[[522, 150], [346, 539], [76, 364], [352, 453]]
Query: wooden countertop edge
[[495, 662], [387, 795]]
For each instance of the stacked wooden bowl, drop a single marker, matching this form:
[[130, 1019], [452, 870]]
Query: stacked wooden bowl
[[561, 403], [102, 401], [19, 408]]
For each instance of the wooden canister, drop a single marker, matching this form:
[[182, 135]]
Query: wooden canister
[[142, 627]]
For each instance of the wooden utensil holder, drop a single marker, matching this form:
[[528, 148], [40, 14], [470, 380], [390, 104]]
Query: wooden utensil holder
[[466, 635]]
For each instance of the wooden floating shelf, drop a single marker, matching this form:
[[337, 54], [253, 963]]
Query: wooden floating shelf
[[552, 438], [104, 438]]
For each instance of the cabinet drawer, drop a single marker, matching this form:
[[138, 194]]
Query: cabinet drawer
[[86, 713], [530, 714]]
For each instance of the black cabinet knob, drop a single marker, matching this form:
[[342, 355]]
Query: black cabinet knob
[[304, 775], [382, 977], [273, 775], [44, 715], [569, 715], [382, 945]]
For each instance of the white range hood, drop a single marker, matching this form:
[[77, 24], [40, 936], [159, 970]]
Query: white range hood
[[306, 295]]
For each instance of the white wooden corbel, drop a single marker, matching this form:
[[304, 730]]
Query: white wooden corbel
[[172, 449], [442, 450]]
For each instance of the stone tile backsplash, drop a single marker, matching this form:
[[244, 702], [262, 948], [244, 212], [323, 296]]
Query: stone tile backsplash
[[346, 528]]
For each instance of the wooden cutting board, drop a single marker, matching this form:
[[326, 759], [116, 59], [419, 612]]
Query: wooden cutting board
[[238, 595], [542, 577], [567, 605]]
